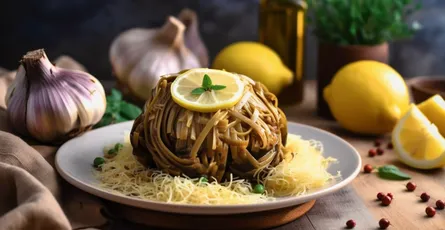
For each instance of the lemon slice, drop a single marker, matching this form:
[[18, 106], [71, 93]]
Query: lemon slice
[[208, 101], [417, 142], [434, 110]]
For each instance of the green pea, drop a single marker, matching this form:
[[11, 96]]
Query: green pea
[[203, 180], [98, 161], [112, 151], [118, 147], [259, 188]]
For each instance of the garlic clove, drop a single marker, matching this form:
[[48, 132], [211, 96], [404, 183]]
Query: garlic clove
[[6, 78], [172, 32], [16, 101], [126, 50], [67, 62], [192, 37], [44, 119]]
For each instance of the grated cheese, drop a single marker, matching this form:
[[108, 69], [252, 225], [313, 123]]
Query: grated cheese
[[304, 169], [123, 174]]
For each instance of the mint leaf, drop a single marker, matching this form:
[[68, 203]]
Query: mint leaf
[[198, 91], [129, 111], [118, 110], [391, 172], [112, 107], [115, 95], [206, 82], [207, 85], [217, 87]]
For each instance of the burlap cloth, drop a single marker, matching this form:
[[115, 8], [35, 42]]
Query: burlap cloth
[[32, 195]]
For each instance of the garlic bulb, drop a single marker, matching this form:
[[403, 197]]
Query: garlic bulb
[[6, 77], [140, 56], [53, 104]]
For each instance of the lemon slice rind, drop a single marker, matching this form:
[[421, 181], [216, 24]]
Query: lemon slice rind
[[405, 156]]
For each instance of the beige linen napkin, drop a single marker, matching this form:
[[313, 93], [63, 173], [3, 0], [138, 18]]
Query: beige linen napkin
[[25, 203], [14, 151]]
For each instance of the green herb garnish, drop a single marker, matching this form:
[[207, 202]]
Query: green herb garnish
[[207, 85], [118, 110], [391, 172], [203, 180]]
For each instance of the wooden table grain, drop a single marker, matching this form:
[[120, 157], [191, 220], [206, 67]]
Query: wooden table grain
[[406, 211]]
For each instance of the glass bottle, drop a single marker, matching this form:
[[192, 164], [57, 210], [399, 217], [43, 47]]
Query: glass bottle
[[282, 28]]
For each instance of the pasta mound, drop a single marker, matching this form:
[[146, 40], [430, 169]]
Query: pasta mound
[[301, 172]]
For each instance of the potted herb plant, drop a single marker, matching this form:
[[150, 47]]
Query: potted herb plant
[[353, 30]]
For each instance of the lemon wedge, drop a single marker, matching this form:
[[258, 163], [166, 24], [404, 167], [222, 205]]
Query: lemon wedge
[[434, 110], [417, 142], [210, 100]]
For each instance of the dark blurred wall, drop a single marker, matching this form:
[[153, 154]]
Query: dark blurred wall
[[84, 30], [424, 54]]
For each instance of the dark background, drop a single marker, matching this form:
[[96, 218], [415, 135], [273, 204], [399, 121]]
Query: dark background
[[84, 30]]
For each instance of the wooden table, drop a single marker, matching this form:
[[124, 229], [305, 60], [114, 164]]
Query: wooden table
[[406, 211]]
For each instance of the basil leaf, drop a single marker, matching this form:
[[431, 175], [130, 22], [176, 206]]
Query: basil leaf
[[115, 95], [218, 87], [112, 107], [198, 91], [129, 111], [206, 82], [391, 172]]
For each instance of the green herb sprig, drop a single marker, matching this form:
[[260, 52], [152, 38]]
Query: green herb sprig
[[361, 22], [207, 85], [391, 172], [118, 110]]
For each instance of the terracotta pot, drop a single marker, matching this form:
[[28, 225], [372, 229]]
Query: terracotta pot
[[332, 58]]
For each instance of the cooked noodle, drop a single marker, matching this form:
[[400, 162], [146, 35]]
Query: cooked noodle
[[244, 140], [303, 170]]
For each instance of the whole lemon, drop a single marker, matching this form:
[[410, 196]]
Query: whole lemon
[[256, 61], [367, 97]]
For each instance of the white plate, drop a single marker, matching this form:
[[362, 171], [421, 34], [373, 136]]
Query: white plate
[[75, 157]]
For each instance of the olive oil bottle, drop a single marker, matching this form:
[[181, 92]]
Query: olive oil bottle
[[281, 27]]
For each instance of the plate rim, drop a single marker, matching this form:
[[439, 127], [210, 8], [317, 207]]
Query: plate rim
[[209, 209]]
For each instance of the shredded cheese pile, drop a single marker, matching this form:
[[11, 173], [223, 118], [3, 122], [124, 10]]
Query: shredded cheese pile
[[304, 169], [298, 174]]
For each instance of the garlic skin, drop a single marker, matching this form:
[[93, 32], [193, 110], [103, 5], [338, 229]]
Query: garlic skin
[[6, 77], [53, 104], [140, 56], [192, 37], [67, 62]]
